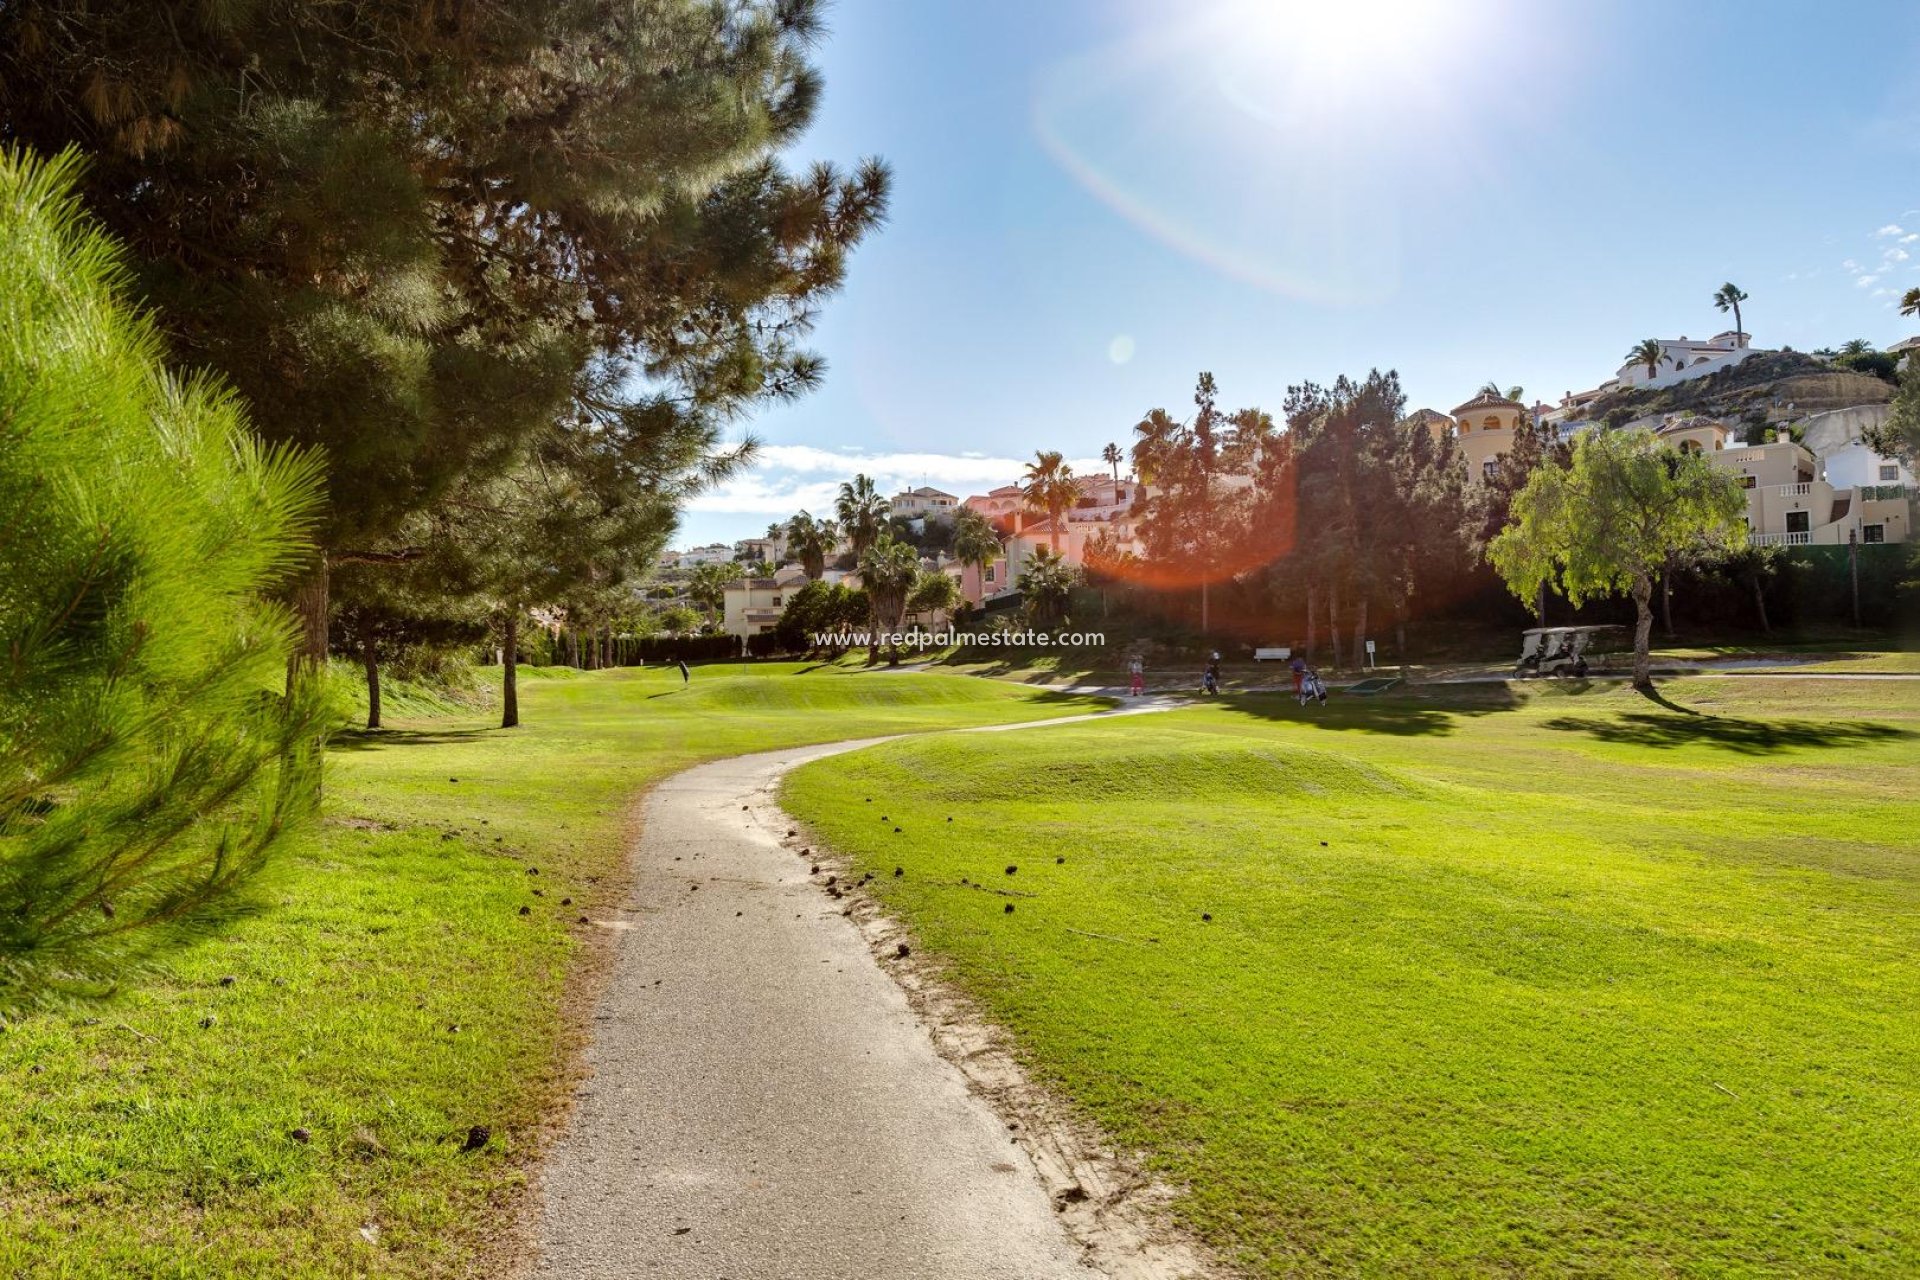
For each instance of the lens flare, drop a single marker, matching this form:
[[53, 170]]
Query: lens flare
[[1281, 142]]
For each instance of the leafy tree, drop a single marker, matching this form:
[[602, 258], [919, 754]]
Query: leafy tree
[[862, 512], [1899, 437], [933, 593], [1613, 519], [888, 571], [1728, 297], [810, 541], [403, 231], [1046, 584], [975, 541], [679, 619], [1182, 528], [149, 762], [1648, 352], [1049, 488]]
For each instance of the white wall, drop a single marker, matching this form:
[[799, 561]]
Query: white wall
[[1854, 464]]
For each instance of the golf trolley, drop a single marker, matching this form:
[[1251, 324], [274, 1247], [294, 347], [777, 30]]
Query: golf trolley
[[1556, 651]]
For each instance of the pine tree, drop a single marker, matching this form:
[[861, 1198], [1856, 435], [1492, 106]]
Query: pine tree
[[149, 760], [402, 230]]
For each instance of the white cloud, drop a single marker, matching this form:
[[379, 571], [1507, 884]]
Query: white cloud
[[1891, 229], [1851, 265], [787, 478], [1910, 237], [1864, 281], [1896, 255]]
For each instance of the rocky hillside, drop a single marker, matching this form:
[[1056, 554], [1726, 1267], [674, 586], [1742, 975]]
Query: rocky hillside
[[1757, 390]]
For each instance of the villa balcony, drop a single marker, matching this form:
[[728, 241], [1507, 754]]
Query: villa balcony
[[1799, 539], [1800, 490]]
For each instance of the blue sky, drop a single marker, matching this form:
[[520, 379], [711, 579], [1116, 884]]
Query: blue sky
[[1096, 199]]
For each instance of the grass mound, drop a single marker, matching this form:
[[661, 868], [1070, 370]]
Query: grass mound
[[1114, 766], [797, 690]]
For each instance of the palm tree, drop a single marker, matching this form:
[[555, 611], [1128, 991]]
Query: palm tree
[[1050, 488], [862, 512], [888, 570], [1728, 297], [810, 541], [1647, 352], [1855, 347], [975, 542], [1111, 456], [1156, 434], [1492, 388], [1047, 584], [1910, 303]]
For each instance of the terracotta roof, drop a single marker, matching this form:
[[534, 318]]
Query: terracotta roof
[[1485, 401]]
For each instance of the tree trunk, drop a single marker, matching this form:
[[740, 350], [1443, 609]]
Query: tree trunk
[[1333, 625], [1313, 619], [1203, 607], [509, 673], [1760, 603], [310, 608], [1666, 603], [1360, 638], [1540, 604], [1643, 633], [1400, 635], [573, 646], [370, 657]]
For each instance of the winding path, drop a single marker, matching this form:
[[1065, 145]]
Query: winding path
[[763, 1102]]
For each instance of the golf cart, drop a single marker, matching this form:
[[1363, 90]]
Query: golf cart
[[1556, 651]]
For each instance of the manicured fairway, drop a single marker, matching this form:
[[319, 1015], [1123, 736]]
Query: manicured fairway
[[1579, 984], [391, 995]]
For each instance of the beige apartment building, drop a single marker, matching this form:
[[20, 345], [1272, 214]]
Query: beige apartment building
[[753, 604], [1791, 500], [1794, 497]]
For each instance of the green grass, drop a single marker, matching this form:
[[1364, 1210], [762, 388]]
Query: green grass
[[1498, 981], [134, 1141]]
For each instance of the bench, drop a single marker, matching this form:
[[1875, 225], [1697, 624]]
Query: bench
[[1272, 655]]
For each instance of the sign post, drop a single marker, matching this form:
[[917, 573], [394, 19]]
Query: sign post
[[1370, 663]]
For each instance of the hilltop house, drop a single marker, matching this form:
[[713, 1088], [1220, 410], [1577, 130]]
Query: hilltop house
[[924, 503], [1683, 359]]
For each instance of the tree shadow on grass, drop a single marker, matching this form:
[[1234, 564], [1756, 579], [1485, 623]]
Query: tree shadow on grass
[[1683, 726], [381, 739], [1399, 715]]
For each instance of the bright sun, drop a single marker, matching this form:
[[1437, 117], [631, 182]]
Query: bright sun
[[1280, 60]]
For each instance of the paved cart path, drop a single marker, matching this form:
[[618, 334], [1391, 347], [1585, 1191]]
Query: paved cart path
[[763, 1102]]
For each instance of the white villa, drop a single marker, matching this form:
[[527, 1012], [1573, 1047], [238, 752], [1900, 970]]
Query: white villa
[[1684, 358], [924, 502]]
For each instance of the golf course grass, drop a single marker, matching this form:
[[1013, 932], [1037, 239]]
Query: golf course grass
[[1543, 981], [389, 995]]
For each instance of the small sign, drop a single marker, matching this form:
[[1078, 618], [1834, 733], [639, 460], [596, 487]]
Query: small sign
[[1369, 646]]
